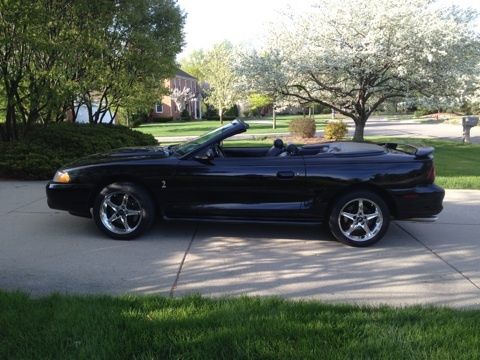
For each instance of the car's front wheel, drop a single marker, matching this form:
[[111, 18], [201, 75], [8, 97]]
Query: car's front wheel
[[123, 211], [359, 218]]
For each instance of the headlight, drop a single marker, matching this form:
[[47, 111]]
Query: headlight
[[61, 177]]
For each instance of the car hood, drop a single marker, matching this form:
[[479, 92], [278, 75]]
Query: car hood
[[122, 154]]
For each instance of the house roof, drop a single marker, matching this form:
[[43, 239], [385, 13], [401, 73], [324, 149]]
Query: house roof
[[184, 74]]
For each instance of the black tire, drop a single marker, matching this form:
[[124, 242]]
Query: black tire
[[122, 202], [346, 217]]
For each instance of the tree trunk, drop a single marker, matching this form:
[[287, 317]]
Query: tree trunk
[[220, 113], [11, 122], [359, 129], [274, 119]]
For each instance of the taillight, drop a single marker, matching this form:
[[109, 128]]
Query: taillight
[[431, 174]]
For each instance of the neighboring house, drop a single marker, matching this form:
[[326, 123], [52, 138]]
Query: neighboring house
[[82, 115], [167, 108]]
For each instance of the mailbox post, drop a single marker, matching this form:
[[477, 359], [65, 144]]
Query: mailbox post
[[468, 122]]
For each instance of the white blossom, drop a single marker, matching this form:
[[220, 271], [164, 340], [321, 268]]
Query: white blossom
[[353, 55], [182, 97]]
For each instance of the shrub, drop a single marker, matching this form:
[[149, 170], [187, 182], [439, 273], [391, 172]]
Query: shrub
[[335, 130], [422, 112], [304, 128], [138, 119], [161, 120], [233, 111], [46, 148], [185, 115]]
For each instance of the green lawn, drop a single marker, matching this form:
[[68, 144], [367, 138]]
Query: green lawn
[[457, 165], [199, 127], [86, 327]]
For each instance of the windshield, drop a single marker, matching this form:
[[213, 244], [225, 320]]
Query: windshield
[[193, 145]]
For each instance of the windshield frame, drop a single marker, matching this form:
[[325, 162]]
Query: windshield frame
[[217, 135]]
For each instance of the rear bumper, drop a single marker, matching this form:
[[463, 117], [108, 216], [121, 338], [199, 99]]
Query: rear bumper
[[74, 198], [421, 203]]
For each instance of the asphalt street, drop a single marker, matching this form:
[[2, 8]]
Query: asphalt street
[[44, 251]]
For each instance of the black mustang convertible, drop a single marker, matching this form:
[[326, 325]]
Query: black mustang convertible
[[355, 188]]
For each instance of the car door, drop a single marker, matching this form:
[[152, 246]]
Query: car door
[[240, 187]]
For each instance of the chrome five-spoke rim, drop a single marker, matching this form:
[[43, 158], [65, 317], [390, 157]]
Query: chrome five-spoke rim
[[121, 212], [360, 219]]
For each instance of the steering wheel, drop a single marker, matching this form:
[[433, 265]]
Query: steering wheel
[[218, 151]]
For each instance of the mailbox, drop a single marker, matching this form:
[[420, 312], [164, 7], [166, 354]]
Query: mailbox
[[468, 122]]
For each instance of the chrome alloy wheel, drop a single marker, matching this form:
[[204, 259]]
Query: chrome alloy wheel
[[360, 219], [121, 212]]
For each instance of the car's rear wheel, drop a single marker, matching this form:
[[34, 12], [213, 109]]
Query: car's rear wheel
[[123, 211], [359, 218]]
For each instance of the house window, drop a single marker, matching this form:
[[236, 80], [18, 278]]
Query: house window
[[159, 108]]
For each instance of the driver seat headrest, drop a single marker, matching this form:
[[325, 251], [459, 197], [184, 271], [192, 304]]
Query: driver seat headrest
[[278, 143], [292, 149], [276, 149]]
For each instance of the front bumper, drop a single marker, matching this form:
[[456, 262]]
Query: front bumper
[[74, 198], [420, 202]]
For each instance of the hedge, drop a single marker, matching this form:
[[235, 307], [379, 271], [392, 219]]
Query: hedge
[[45, 148]]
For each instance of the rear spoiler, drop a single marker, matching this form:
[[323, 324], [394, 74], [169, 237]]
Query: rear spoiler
[[419, 152]]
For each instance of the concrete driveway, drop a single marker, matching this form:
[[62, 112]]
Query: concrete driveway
[[42, 251]]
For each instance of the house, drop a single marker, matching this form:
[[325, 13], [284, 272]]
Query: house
[[81, 114], [169, 108], [83, 118]]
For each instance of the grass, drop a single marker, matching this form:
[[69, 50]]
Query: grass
[[86, 327], [199, 127]]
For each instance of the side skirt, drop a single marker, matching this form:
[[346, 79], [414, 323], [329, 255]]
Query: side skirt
[[245, 220]]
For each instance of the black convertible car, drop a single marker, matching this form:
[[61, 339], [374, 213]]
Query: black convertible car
[[355, 188]]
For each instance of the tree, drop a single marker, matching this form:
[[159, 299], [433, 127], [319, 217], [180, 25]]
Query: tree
[[58, 55], [140, 40], [222, 92], [258, 101], [261, 73], [194, 64], [354, 55]]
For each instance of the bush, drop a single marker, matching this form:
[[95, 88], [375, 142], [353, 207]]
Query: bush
[[138, 119], [335, 130], [233, 111], [185, 115], [304, 128], [46, 148]]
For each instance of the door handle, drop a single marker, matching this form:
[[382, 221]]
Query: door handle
[[285, 174]]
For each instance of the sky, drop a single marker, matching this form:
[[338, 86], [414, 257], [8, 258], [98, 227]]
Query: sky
[[244, 21]]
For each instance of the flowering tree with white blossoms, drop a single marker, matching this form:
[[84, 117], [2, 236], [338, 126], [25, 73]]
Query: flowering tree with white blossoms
[[182, 97], [353, 55], [262, 73]]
